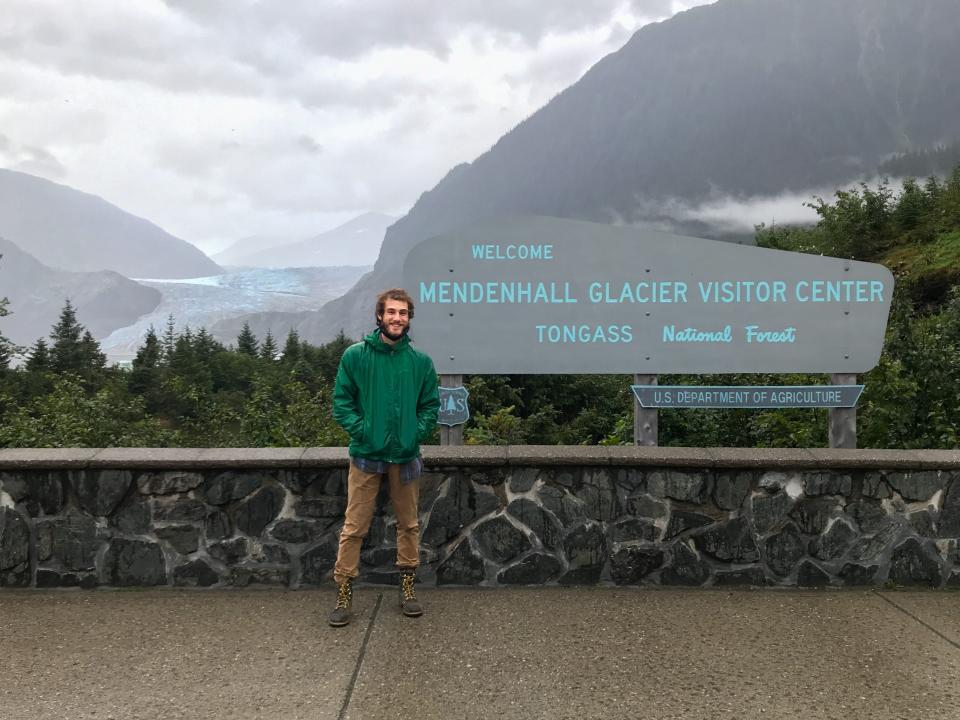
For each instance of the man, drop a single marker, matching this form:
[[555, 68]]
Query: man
[[387, 400]]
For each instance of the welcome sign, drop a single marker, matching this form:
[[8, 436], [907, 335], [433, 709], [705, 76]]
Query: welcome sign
[[546, 295]]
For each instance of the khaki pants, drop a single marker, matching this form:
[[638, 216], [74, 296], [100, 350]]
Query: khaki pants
[[362, 489]]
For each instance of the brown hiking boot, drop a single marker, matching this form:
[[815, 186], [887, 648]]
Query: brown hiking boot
[[408, 598], [341, 614]]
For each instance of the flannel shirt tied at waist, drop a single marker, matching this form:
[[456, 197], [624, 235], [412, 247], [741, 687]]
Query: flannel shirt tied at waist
[[408, 471]]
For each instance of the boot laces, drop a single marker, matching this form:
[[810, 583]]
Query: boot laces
[[406, 586], [344, 595]]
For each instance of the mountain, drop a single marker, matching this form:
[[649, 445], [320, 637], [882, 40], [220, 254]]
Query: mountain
[[234, 254], [71, 230], [738, 98], [104, 300], [356, 242]]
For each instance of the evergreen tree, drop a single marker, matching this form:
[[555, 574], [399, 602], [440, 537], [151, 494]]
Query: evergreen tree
[[328, 356], [38, 358], [268, 349], [169, 344], [67, 353], [92, 357], [145, 378], [7, 348], [205, 346], [247, 341], [291, 349]]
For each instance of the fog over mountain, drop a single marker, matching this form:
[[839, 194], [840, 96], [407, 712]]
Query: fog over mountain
[[356, 242], [71, 230], [104, 300], [736, 99]]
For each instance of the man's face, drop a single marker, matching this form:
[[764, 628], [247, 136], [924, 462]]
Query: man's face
[[395, 319]]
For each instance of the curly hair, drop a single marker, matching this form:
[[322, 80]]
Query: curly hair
[[398, 294]]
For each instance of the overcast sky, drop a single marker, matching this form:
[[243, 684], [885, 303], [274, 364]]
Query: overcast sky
[[219, 119]]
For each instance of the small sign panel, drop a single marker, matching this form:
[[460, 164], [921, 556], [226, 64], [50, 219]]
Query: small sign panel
[[453, 406], [747, 396]]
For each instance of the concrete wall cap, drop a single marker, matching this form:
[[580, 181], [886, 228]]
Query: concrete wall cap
[[250, 458], [764, 457], [482, 455], [146, 458], [45, 458], [557, 455], [325, 457], [887, 459], [439, 455], [661, 456]]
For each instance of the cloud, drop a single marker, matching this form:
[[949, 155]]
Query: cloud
[[30, 159], [223, 118], [733, 214], [345, 30]]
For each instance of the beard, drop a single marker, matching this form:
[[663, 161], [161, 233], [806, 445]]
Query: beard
[[386, 331]]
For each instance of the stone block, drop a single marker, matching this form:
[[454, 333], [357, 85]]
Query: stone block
[[317, 562], [834, 542], [100, 491], [916, 562], [812, 515], [684, 567], [296, 531], [133, 563], [949, 523], [854, 575], [226, 487], [499, 540], [462, 504], [681, 521], [785, 549], [825, 483], [14, 539], [535, 569], [69, 539], [41, 490], [185, 539], [462, 567], [165, 483], [631, 563], [196, 573], [647, 506], [754, 577], [177, 509], [691, 486], [229, 552], [254, 513], [586, 550], [731, 489], [632, 529], [731, 541], [810, 575], [540, 522], [917, 485], [770, 511]]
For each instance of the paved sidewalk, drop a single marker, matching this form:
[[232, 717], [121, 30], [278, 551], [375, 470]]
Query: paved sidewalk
[[505, 654]]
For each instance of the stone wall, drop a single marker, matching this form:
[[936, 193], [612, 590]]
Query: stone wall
[[489, 516]]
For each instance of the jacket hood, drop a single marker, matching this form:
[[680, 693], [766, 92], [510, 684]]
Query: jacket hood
[[376, 342]]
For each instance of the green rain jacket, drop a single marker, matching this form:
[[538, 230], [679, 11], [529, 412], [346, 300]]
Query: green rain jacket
[[386, 398]]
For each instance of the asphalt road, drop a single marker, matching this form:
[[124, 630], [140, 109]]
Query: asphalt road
[[508, 654]]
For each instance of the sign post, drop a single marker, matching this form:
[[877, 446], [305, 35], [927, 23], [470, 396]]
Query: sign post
[[842, 429], [644, 419]]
